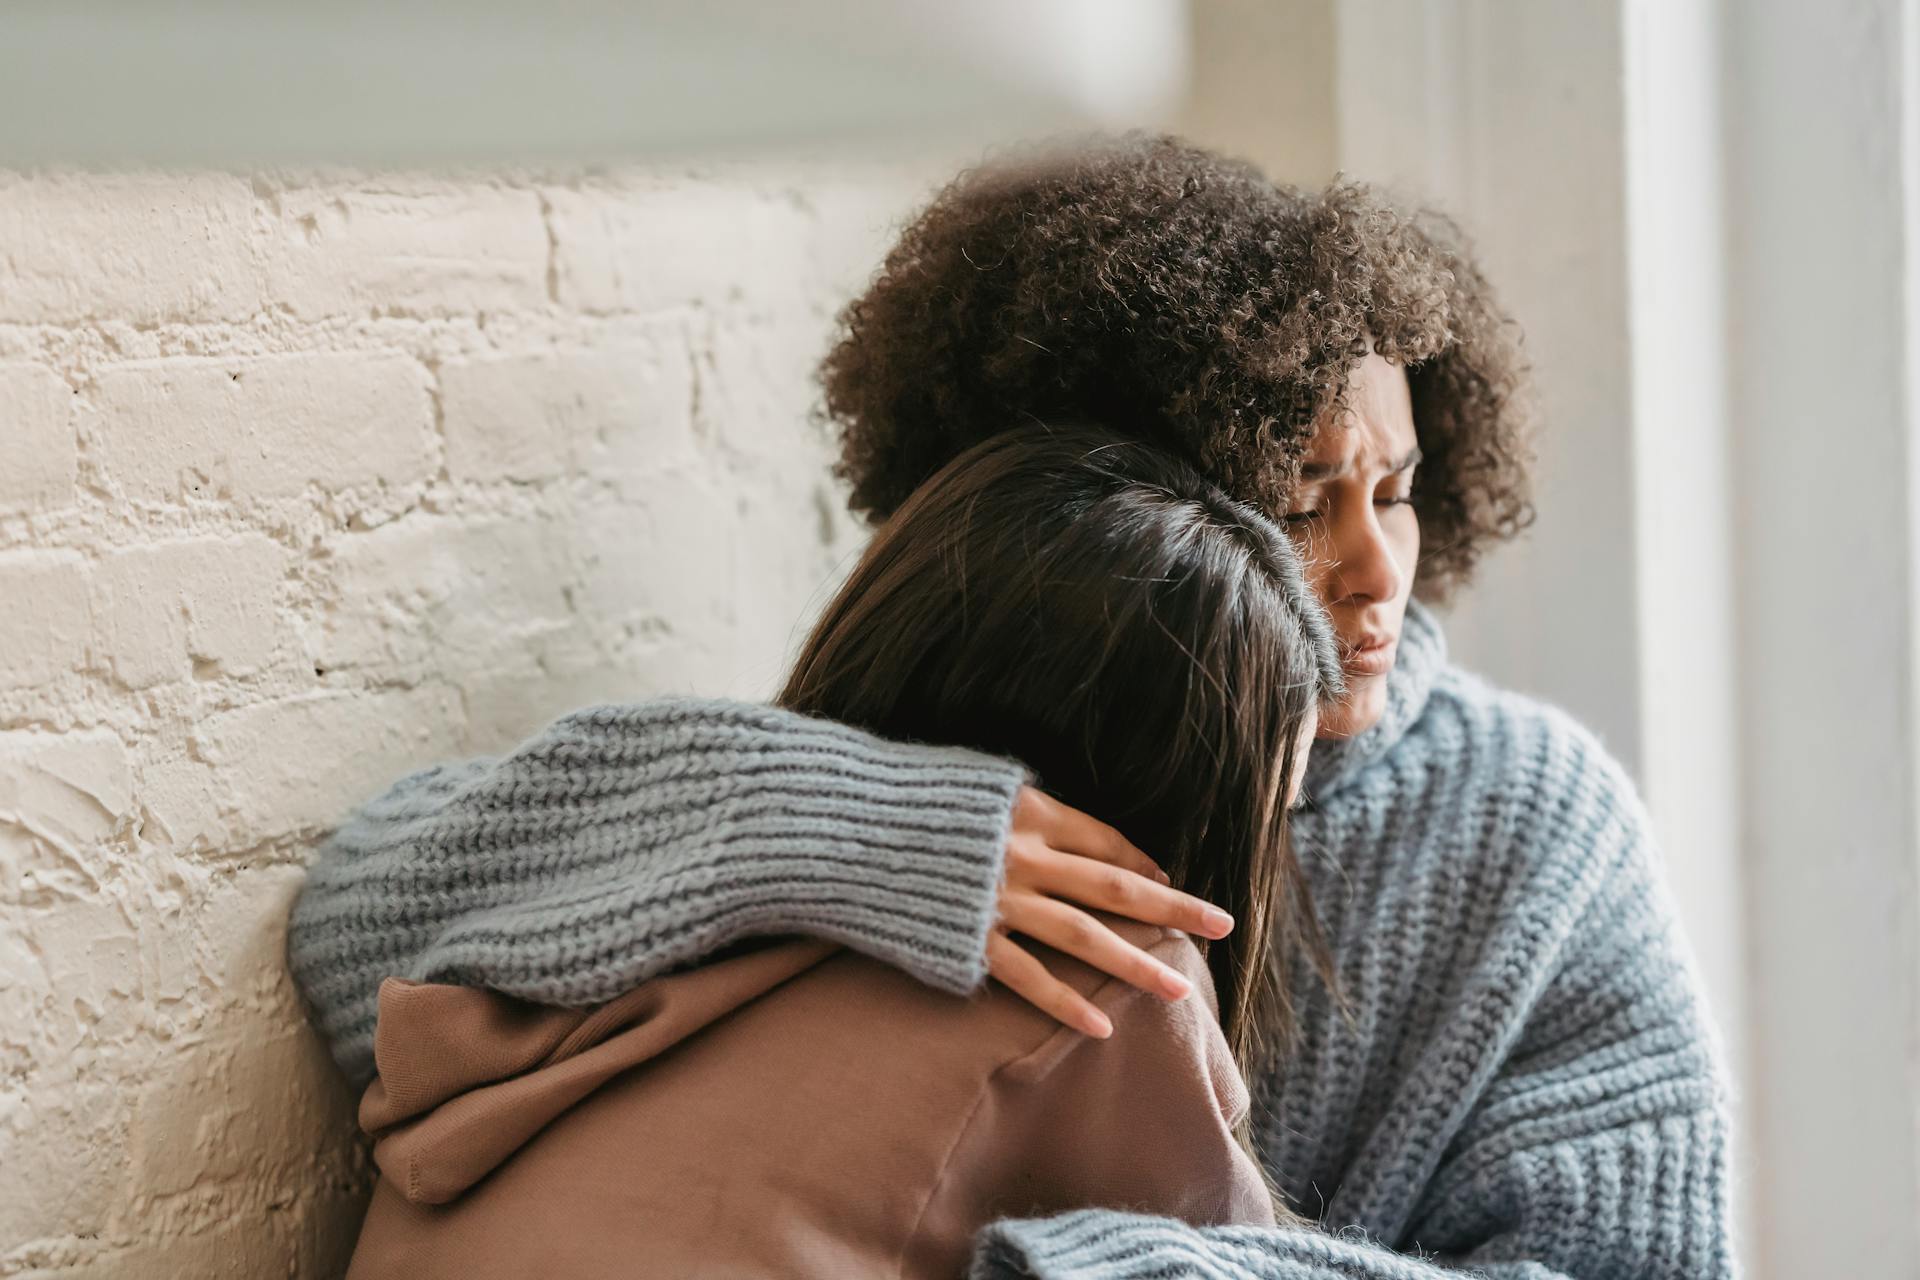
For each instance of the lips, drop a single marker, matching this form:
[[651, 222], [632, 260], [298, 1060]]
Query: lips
[[1369, 655]]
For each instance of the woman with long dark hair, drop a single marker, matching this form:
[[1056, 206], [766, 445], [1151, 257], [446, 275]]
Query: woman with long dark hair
[[1149, 649]]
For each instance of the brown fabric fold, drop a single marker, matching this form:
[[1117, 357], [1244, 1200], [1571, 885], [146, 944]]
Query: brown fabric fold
[[793, 1110]]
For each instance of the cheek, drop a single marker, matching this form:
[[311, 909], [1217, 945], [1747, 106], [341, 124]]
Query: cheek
[[1315, 564], [1319, 572], [1403, 535]]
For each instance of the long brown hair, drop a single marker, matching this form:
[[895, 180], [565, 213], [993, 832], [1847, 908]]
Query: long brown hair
[[1097, 609]]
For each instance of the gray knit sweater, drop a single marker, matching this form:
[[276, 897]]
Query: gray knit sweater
[[1526, 1083]]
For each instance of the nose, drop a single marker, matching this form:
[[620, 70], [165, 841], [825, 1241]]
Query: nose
[[1364, 568]]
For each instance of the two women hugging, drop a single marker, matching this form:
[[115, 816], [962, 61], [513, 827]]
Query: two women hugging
[[1160, 454]]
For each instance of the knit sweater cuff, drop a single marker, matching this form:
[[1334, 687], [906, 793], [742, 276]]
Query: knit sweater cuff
[[919, 830]]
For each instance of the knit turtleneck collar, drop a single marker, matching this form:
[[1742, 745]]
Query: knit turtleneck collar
[[1422, 655]]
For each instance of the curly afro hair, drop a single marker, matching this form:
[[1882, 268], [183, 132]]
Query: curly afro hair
[[1155, 288]]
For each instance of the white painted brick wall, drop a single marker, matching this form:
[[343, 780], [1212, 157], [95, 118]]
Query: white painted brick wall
[[304, 481]]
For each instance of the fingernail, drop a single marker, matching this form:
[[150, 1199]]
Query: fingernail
[[1164, 877], [1099, 1026], [1174, 985], [1218, 923]]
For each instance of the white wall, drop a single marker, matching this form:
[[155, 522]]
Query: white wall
[[1262, 86], [211, 83], [306, 480], [1822, 102], [1685, 557]]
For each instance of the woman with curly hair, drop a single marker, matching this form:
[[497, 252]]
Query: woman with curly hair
[[1507, 1067]]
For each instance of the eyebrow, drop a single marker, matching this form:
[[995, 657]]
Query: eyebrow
[[1333, 470]]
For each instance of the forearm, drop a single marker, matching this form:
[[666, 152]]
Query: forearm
[[626, 840]]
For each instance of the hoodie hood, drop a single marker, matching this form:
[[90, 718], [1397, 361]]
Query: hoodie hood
[[467, 1076]]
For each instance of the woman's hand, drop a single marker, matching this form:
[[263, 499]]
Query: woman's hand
[[1060, 860]]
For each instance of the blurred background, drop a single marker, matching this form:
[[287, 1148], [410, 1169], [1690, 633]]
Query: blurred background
[[379, 381]]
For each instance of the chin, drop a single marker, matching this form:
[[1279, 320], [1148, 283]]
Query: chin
[[1365, 703]]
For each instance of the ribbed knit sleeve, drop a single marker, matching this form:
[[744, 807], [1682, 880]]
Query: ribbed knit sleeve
[[1565, 1114], [626, 840]]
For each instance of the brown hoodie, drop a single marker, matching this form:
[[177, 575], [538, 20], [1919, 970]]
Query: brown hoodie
[[790, 1109]]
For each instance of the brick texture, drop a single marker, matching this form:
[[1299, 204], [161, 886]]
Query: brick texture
[[305, 481]]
